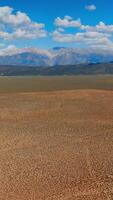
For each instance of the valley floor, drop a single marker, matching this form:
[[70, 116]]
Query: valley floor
[[56, 145], [15, 84]]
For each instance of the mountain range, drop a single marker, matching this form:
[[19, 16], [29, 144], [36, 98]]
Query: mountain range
[[56, 61], [54, 57]]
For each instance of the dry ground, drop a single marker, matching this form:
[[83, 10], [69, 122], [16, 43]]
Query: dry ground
[[56, 145]]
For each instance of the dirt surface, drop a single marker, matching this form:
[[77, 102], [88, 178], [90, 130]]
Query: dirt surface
[[56, 145]]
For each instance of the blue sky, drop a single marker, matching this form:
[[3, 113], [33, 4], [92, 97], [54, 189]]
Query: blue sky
[[49, 23]]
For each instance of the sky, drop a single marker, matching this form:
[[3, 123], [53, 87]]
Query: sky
[[56, 23]]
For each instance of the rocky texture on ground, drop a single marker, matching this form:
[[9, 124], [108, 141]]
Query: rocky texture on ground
[[56, 145]]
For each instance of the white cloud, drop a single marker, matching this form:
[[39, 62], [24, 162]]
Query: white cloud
[[100, 27], [88, 38], [19, 25], [8, 50], [83, 41], [85, 35], [90, 7], [67, 22], [7, 16]]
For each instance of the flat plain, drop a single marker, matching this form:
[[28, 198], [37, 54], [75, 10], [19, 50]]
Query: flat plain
[[15, 84], [56, 144]]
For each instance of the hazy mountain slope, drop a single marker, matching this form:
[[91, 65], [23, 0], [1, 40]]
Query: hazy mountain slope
[[55, 56], [26, 58]]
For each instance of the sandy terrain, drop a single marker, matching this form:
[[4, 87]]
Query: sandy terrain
[[56, 145]]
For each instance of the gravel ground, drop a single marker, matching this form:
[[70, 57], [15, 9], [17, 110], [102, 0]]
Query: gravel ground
[[56, 145]]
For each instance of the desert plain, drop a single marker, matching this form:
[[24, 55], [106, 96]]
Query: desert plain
[[57, 145]]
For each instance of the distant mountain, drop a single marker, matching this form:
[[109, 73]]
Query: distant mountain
[[57, 56]]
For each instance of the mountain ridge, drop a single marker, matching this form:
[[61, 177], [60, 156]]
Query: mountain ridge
[[56, 56]]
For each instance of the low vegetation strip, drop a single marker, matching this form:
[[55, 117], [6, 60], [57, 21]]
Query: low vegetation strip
[[55, 83]]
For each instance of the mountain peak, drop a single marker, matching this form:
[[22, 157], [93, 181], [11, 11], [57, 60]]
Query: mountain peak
[[56, 56], [58, 48]]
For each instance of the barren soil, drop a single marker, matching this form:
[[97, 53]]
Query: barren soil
[[56, 145]]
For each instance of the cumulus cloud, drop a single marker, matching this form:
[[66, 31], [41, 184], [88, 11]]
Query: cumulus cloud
[[8, 50], [100, 35], [19, 25], [90, 7], [88, 38], [67, 22], [101, 27]]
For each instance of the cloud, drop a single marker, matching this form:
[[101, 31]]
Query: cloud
[[8, 50], [100, 35], [88, 38], [67, 22], [90, 7], [101, 27], [19, 25], [7, 16], [80, 39]]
